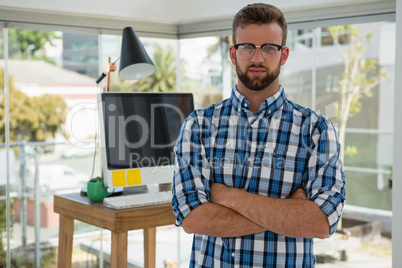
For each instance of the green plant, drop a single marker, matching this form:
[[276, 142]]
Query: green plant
[[2, 231], [360, 76], [31, 118], [3, 225], [23, 42], [96, 179]]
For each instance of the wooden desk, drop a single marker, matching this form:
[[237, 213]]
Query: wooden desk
[[76, 207]]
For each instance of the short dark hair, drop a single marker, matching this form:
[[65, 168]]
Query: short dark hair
[[259, 13]]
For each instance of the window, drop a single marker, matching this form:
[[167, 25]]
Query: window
[[44, 86], [315, 76], [59, 77], [3, 181], [204, 62], [368, 136]]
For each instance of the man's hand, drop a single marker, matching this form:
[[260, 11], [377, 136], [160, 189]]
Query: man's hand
[[217, 219]]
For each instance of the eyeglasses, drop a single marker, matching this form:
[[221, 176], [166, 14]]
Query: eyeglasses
[[247, 50]]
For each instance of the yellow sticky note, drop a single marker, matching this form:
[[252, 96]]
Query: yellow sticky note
[[119, 178], [134, 177]]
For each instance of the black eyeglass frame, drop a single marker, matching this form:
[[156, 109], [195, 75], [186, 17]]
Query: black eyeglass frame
[[279, 47]]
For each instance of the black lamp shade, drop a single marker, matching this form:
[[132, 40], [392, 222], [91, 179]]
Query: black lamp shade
[[134, 60]]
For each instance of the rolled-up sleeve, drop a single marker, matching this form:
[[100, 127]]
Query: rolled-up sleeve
[[191, 187], [326, 180]]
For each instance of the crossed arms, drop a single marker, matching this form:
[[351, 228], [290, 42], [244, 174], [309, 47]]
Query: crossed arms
[[233, 212]]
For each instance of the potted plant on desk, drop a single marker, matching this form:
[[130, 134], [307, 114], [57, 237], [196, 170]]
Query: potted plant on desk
[[96, 189]]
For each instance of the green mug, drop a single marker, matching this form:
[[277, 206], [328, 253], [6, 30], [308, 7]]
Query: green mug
[[96, 190]]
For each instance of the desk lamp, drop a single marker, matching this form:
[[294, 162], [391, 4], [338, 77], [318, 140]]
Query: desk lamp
[[134, 60]]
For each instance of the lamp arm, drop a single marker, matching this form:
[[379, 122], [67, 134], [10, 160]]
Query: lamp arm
[[111, 67]]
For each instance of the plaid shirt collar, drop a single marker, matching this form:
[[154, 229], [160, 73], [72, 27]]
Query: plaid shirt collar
[[270, 105]]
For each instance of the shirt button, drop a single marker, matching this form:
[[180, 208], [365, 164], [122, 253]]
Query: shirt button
[[233, 254], [245, 105]]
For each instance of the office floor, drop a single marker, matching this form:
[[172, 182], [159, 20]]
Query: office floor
[[373, 254]]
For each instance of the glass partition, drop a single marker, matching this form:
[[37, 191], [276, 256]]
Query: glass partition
[[48, 81], [203, 63], [53, 124], [3, 181], [297, 74], [346, 73]]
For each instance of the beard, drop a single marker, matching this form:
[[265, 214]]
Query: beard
[[257, 83]]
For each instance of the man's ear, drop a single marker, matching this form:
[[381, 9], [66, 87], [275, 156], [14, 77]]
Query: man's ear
[[232, 54], [285, 55]]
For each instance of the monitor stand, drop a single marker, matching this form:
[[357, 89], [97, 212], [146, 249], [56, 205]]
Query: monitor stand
[[138, 189]]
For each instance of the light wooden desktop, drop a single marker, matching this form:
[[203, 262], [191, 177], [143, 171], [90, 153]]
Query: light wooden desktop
[[76, 207]]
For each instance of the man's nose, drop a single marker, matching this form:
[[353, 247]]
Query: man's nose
[[257, 56]]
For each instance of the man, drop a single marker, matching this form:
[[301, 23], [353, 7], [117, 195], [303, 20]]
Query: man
[[257, 176]]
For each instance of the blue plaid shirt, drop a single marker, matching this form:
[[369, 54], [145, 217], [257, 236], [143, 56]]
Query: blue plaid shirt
[[271, 153]]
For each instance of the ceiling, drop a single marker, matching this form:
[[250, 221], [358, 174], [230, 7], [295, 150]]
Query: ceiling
[[173, 17]]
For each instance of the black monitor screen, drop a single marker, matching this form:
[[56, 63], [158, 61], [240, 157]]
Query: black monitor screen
[[141, 129]]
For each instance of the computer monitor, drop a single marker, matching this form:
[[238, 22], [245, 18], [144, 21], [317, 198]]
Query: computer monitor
[[138, 133]]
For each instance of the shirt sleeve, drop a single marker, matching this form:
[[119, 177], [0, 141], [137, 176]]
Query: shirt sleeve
[[326, 180], [191, 187]]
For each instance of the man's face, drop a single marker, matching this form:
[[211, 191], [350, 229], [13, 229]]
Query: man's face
[[260, 81], [259, 70]]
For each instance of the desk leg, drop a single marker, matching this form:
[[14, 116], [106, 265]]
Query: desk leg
[[149, 247], [66, 232], [118, 256]]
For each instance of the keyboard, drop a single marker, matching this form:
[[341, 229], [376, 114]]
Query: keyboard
[[138, 200]]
